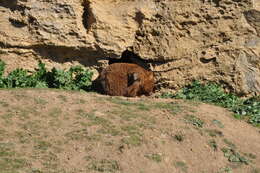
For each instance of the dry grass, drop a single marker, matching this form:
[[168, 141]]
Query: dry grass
[[54, 131]]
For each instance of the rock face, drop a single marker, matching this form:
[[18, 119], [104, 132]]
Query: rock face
[[213, 40]]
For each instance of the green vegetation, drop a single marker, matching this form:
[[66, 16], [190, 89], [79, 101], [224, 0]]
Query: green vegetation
[[250, 155], [55, 112], [134, 140], [104, 165], [213, 93], [144, 105], [42, 145], [194, 121], [213, 144], [62, 98], [229, 143], [82, 134], [214, 132], [4, 104], [140, 105], [256, 170], [179, 137], [181, 165], [76, 78], [40, 101], [155, 157], [234, 156], [218, 123], [171, 107], [8, 163], [225, 170], [94, 119]]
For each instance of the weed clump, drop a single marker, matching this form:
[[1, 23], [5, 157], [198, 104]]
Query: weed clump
[[104, 165], [155, 157], [179, 137], [181, 165], [234, 156], [194, 121], [76, 78], [213, 144], [213, 93]]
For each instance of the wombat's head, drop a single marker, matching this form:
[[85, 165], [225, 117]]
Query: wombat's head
[[148, 85]]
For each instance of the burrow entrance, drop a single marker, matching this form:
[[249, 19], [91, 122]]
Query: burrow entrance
[[87, 17], [130, 57]]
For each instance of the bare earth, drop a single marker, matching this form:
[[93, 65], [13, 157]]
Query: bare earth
[[54, 131]]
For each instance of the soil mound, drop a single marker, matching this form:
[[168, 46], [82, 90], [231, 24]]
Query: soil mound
[[71, 132]]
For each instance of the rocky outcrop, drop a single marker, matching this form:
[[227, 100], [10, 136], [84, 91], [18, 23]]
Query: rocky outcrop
[[209, 40]]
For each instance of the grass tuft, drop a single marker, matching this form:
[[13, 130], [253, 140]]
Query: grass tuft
[[155, 157], [234, 156], [194, 121], [104, 165]]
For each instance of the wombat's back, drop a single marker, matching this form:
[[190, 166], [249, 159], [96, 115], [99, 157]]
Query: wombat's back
[[115, 80]]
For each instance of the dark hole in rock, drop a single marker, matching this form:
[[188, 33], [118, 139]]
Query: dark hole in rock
[[126, 57], [32, 20], [159, 16], [17, 23], [9, 4], [87, 16], [139, 17], [205, 60], [130, 57], [216, 2], [222, 12]]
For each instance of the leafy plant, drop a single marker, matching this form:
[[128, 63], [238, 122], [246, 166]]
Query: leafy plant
[[104, 165], [179, 137], [76, 78], [213, 144], [229, 143], [225, 170], [213, 93], [18, 78], [2, 68], [155, 157], [234, 156], [181, 165], [41, 76], [218, 123], [194, 121], [249, 107], [214, 132]]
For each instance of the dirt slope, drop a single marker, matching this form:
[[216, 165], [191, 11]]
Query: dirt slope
[[52, 131]]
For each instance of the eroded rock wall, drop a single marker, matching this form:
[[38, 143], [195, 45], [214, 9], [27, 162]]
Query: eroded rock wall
[[213, 40]]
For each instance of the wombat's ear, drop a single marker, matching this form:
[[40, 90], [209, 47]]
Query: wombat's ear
[[151, 76], [135, 76], [132, 77]]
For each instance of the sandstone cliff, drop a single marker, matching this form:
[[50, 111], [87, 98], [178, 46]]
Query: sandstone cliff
[[213, 40]]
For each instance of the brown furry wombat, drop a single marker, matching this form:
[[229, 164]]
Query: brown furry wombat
[[124, 79]]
